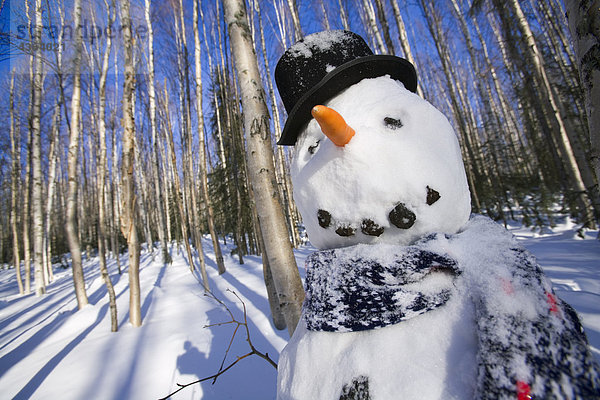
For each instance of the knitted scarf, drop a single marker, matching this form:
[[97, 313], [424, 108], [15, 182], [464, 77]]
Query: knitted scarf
[[530, 342]]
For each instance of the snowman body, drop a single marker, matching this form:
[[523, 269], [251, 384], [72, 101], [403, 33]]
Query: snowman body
[[431, 356], [403, 156]]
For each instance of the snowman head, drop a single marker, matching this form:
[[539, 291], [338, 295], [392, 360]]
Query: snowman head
[[376, 164]]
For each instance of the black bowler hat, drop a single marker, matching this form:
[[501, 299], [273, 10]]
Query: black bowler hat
[[321, 65]]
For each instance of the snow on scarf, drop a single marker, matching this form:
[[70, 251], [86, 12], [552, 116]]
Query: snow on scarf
[[530, 342]]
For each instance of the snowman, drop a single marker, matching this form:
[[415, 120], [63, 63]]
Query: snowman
[[408, 296]]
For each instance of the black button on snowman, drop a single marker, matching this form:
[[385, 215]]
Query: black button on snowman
[[394, 301]]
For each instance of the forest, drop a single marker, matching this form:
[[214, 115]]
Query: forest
[[130, 123]]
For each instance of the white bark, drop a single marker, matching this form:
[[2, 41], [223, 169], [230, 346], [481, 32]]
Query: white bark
[[298, 34], [177, 184], [372, 23], [53, 155], [404, 43], [128, 216], [260, 165], [36, 159], [584, 25], [14, 184], [201, 145], [71, 229], [162, 228], [102, 164], [343, 16]]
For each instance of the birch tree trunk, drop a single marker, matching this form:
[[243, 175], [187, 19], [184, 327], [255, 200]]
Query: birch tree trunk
[[404, 43], [115, 199], [71, 228], [584, 25], [201, 145], [178, 200], [384, 26], [298, 34], [53, 155], [326, 24], [260, 165], [284, 185], [372, 24], [188, 165], [14, 184], [142, 197], [101, 183], [115, 194], [26, 216], [162, 229], [343, 16], [128, 214], [36, 150]]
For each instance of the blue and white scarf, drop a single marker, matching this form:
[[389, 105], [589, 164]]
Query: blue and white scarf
[[530, 342]]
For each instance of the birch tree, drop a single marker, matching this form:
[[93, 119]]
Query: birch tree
[[74, 137], [36, 134], [178, 201], [404, 42], [162, 228], [201, 145], [343, 16], [371, 23], [102, 163], [584, 25], [128, 215], [260, 166], [14, 183], [189, 192], [53, 158], [293, 6]]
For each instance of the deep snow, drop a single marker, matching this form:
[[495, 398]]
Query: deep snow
[[49, 350]]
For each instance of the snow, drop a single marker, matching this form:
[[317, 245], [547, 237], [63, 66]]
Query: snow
[[497, 285], [50, 350], [328, 360], [320, 42], [380, 168]]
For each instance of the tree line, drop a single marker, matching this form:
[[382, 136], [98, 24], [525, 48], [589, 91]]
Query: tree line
[[152, 126]]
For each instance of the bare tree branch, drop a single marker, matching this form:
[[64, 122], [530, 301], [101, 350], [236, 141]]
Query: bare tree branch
[[233, 320]]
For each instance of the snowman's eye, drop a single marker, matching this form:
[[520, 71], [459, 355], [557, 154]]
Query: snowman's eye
[[392, 123], [313, 148]]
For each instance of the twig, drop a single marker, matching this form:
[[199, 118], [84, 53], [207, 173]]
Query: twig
[[254, 351]]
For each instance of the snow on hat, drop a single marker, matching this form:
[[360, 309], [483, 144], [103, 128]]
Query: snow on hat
[[321, 65]]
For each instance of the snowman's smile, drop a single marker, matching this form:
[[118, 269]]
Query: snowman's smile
[[400, 216]]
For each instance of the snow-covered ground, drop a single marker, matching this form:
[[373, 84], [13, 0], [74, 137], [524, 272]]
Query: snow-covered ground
[[50, 350]]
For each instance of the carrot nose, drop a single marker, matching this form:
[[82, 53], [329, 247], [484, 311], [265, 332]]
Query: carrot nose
[[333, 125]]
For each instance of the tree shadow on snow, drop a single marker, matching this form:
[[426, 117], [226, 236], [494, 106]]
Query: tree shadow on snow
[[43, 373], [29, 345], [124, 391]]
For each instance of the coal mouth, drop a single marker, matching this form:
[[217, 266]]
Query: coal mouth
[[401, 216], [443, 269]]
